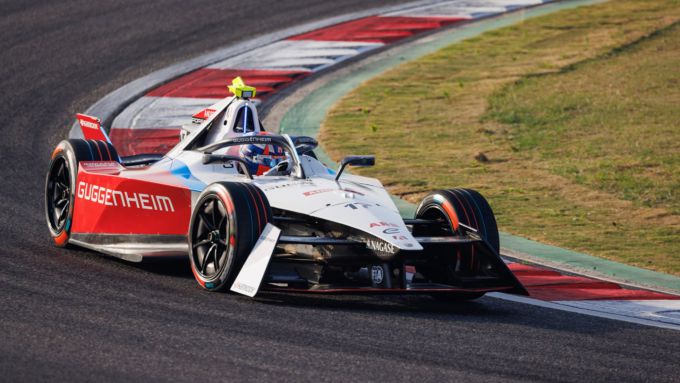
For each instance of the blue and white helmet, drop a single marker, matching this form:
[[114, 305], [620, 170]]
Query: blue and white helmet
[[260, 158]]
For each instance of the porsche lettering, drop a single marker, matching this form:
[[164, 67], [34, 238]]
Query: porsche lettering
[[88, 124]]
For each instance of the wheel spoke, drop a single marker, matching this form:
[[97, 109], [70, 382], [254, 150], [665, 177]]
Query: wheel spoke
[[60, 202], [60, 173], [214, 212], [55, 216], [63, 213], [201, 243], [56, 196], [220, 255], [216, 258], [205, 221], [207, 258]]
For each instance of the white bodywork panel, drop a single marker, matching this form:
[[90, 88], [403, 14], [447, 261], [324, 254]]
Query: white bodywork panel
[[250, 277], [358, 202]]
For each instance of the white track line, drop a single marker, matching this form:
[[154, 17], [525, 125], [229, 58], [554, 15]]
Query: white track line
[[662, 314], [302, 55]]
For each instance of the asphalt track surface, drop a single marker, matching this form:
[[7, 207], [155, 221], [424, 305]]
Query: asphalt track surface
[[71, 315]]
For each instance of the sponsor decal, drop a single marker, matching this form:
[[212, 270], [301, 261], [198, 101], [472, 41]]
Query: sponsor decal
[[318, 191], [383, 224], [88, 124], [289, 184], [255, 139], [243, 287], [208, 112], [380, 246], [202, 115], [392, 230], [377, 274], [99, 166], [357, 205], [109, 197]]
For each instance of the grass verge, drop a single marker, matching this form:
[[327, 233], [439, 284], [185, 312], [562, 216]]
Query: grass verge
[[568, 123]]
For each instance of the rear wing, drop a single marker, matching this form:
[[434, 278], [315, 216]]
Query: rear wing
[[92, 128]]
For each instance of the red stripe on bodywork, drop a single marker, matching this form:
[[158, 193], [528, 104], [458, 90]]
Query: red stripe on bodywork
[[377, 29], [212, 83]]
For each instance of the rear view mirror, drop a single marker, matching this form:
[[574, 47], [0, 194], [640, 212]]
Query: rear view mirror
[[355, 161]]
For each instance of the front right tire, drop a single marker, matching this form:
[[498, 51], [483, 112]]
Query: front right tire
[[460, 206]]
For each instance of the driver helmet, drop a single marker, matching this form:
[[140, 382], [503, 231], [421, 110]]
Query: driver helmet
[[261, 158]]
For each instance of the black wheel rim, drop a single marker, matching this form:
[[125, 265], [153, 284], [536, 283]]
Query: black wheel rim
[[209, 238], [435, 212], [59, 194]]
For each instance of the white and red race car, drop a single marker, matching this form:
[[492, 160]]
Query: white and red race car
[[270, 216]]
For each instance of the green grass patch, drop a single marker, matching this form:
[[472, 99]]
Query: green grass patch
[[577, 114]]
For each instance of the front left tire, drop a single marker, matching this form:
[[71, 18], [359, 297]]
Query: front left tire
[[225, 224]]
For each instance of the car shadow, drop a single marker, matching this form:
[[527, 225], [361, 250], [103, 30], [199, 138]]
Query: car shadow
[[178, 267], [387, 303]]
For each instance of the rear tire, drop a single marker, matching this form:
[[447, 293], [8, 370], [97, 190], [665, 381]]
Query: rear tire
[[225, 225], [467, 207], [60, 182]]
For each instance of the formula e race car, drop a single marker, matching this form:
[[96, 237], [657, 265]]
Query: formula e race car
[[257, 211]]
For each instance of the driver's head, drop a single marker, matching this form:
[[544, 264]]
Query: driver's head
[[261, 158]]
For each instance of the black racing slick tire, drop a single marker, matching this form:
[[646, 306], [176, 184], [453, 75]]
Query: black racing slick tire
[[60, 182], [226, 222], [467, 207]]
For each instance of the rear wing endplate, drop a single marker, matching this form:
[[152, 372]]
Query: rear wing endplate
[[91, 128]]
